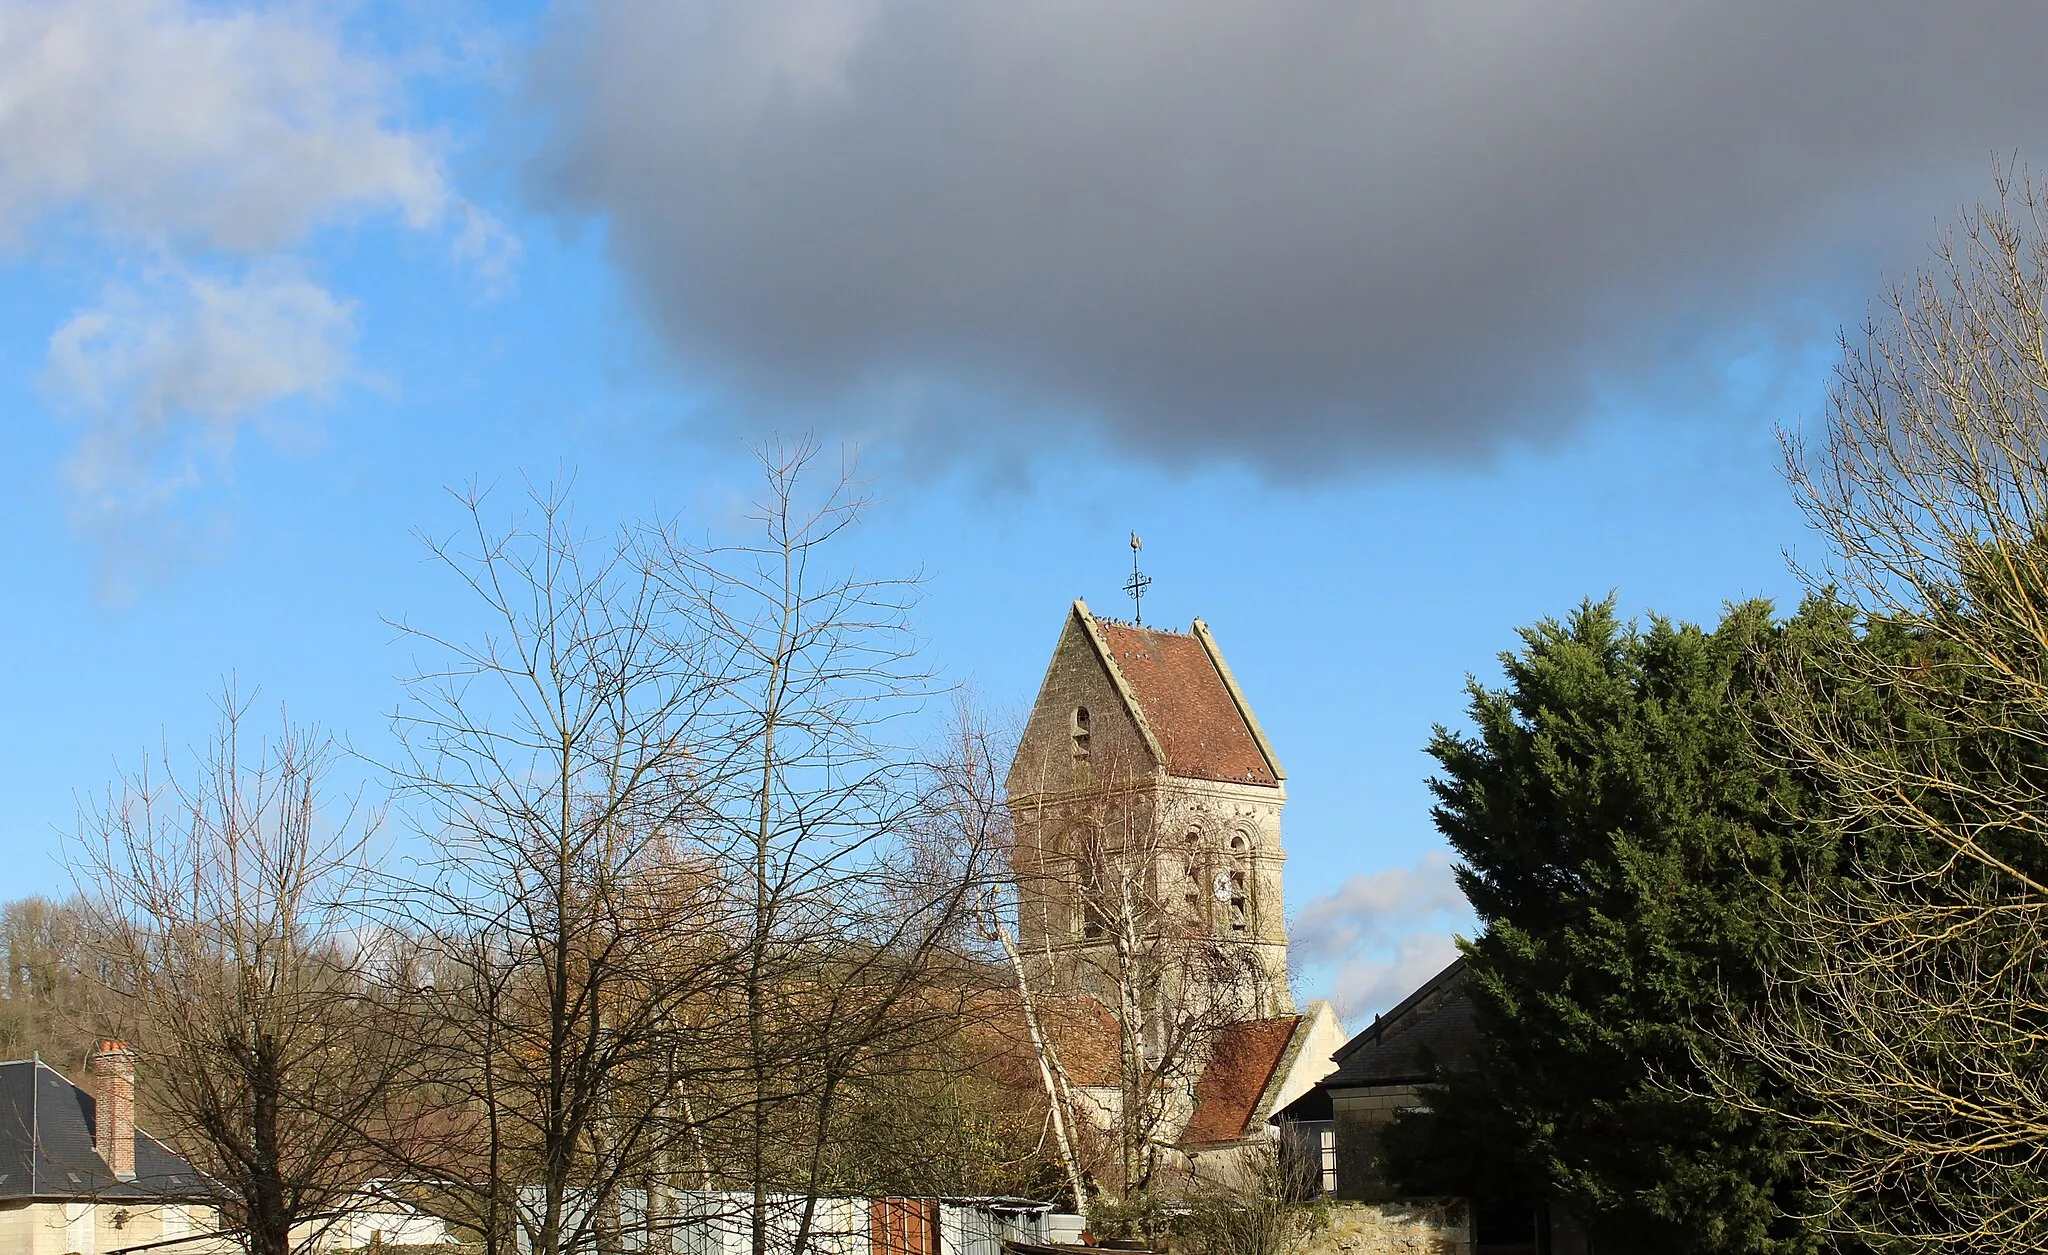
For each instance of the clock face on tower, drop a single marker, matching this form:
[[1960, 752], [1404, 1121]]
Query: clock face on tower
[[1221, 887]]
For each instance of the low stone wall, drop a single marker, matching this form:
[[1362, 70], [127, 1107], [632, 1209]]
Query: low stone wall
[[1394, 1229]]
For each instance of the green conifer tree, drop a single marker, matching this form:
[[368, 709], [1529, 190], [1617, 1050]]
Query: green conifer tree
[[1622, 840]]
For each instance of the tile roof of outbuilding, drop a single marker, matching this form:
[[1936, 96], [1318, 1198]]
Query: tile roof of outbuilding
[[46, 1146], [1241, 1064], [1188, 701]]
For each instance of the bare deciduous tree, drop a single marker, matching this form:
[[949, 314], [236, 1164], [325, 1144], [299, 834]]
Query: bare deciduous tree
[[842, 926], [1908, 1026], [574, 946], [686, 922], [1154, 954], [227, 900], [970, 797]]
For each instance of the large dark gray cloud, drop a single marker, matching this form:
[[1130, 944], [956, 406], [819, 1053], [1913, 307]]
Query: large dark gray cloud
[[1307, 233]]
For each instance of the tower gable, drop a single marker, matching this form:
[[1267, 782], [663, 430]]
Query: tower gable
[[1053, 755], [1144, 701], [1145, 797]]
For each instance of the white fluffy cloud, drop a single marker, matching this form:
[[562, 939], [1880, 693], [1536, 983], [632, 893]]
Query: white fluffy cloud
[[221, 128], [163, 376], [1377, 936], [1369, 984], [202, 143], [206, 347], [1372, 907]]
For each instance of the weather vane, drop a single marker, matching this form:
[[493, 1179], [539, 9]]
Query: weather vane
[[1137, 584]]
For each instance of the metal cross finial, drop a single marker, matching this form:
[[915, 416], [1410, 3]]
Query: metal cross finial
[[1137, 584]]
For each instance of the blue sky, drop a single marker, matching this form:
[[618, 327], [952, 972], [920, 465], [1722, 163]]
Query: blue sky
[[277, 276]]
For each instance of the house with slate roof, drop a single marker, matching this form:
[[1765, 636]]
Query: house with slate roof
[[1337, 1124], [76, 1175], [1332, 1131], [1143, 737]]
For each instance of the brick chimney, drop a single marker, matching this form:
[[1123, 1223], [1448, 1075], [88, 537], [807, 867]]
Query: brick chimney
[[112, 1068]]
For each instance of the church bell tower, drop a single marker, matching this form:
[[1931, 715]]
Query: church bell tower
[[1146, 803]]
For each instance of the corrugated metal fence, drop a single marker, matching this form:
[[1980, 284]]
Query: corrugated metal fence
[[713, 1222]]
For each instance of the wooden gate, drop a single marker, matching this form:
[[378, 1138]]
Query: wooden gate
[[903, 1226]]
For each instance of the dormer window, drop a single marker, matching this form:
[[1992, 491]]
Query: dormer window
[[1080, 734]]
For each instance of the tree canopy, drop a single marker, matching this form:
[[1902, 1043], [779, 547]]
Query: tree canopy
[[1622, 841]]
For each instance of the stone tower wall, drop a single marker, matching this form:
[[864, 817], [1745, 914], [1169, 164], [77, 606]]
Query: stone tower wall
[[1046, 764], [1191, 830]]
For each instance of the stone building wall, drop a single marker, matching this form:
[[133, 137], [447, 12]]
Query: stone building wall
[[1359, 1118], [1407, 1228], [84, 1228]]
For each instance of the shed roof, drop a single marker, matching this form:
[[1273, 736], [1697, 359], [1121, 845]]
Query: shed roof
[[46, 1146]]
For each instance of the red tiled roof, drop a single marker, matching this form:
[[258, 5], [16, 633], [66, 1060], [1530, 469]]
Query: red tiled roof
[[1184, 699], [1085, 1035], [1081, 1030], [1241, 1065]]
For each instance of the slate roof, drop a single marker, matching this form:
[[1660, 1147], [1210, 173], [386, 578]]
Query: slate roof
[[1429, 1029], [1188, 701], [46, 1133], [1241, 1065]]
